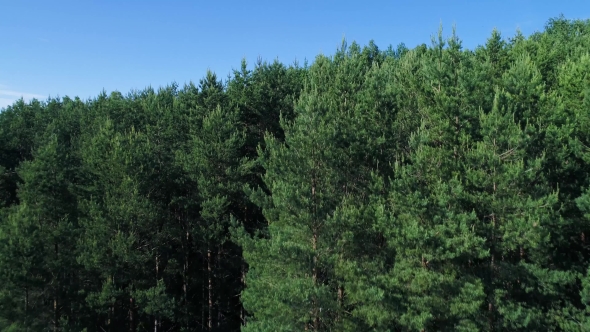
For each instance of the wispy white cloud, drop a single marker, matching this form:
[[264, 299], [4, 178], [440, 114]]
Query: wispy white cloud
[[18, 95], [8, 97]]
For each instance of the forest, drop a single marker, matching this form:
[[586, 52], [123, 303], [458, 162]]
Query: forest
[[428, 189]]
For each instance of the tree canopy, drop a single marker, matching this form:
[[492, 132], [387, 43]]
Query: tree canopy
[[428, 189]]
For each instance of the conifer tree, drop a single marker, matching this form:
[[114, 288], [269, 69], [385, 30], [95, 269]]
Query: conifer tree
[[287, 286], [214, 166], [431, 233], [39, 235], [514, 217], [120, 240], [323, 167], [20, 124]]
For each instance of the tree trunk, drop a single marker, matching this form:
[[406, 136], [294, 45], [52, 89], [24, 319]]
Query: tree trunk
[[26, 305], [156, 321], [216, 267], [56, 295], [185, 282], [110, 317], [314, 245], [340, 302], [210, 291], [111, 312], [131, 315], [203, 294], [55, 315], [492, 266], [316, 316]]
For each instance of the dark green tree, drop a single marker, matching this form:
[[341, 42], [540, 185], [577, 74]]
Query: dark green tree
[[39, 235]]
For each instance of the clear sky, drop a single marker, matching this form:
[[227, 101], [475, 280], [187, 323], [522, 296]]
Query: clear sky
[[79, 48]]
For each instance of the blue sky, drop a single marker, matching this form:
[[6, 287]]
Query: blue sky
[[79, 48]]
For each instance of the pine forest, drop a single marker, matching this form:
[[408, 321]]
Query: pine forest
[[428, 189]]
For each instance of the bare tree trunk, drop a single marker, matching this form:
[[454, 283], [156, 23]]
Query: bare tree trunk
[[55, 315], [131, 315], [56, 295], [340, 302], [314, 243], [157, 324], [316, 316], [110, 316], [210, 290], [203, 294], [111, 311], [156, 321], [185, 282], [26, 305], [216, 266]]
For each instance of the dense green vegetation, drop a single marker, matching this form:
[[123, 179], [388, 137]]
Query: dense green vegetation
[[425, 189]]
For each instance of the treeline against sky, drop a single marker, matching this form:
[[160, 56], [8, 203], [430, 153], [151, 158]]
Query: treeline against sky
[[425, 189]]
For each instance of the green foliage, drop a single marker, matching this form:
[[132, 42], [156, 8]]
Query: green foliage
[[425, 189]]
